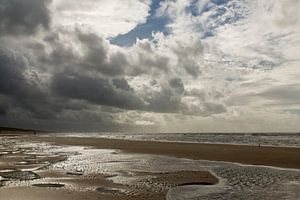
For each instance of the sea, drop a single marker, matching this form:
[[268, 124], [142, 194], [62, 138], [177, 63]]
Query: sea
[[254, 139]]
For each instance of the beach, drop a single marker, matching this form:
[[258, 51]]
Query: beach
[[254, 155], [43, 165]]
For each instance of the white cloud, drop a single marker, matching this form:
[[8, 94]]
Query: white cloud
[[250, 55], [108, 18]]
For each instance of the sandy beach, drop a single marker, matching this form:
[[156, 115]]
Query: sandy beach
[[29, 172], [254, 155]]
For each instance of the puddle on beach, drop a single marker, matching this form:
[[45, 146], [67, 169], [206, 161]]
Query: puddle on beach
[[49, 185], [133, 175], [108, 190], [19, 175]]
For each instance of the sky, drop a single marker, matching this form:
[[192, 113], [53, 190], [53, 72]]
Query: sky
[[150, 65]]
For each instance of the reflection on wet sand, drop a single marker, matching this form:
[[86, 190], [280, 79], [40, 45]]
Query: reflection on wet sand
[[36, 166]]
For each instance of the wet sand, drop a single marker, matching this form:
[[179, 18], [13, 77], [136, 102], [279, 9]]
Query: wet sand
[[285, 157], [26, 174], [27, 164]]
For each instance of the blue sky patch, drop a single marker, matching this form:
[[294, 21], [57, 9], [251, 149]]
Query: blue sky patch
[[142, 31], [193, 9], [221, 14]]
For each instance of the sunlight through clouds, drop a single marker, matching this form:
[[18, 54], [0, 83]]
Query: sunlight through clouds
[[205, 64]]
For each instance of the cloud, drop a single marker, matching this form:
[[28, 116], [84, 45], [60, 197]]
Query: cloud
[[96, 56], [154, 24], [20, 95], [95, 90], [229, 62], [109, 18], [285, 94], [19, 17], [263, 38], [122, 84], [77, 50], [13, 82], [189, 55], [144, 57]]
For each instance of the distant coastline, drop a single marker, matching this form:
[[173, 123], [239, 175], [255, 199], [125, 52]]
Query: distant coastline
[[11, 129]]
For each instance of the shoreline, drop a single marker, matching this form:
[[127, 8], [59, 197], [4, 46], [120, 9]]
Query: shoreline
[[283, 157], [185, 142]]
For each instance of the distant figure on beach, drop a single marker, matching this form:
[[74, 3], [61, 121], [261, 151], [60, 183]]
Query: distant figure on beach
[[34, 133]]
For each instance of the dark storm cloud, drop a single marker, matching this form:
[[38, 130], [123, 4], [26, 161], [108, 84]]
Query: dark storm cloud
[[12, 80], [78, 84], [3, 106], [177, 84], [82, 52], [15, 89], [81, 75], [122, 84], [21, 95], [74, 75], [164, 102], [95, 90], [96, 55], [2, 110], [23, 16], [96, 50]]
